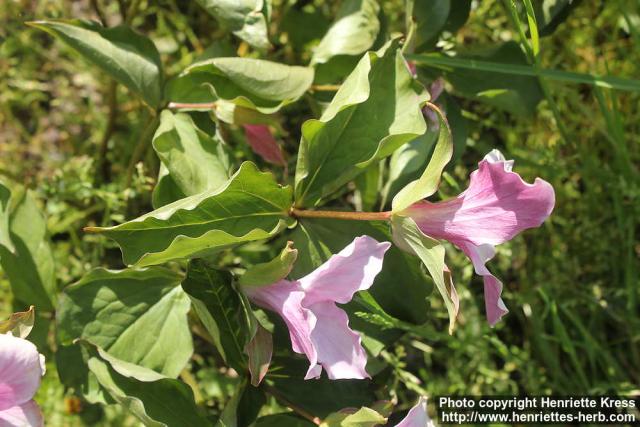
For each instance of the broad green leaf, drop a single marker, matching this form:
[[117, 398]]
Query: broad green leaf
[[252, 83], [224, 312], [139, 316], [368, 188], [515, 93], [400, 288], [73, 371], [287, 419], [428, 183], [376, 110], [270, 272], [363, 417], [19, 324], [247, 19], [166, 190], [322, 396], [195, 161], [28, 263], [408, 236], [5, 237], [406, 164], [251, 206], [354, 31], [429, 17], [155, 400], [127, 56]]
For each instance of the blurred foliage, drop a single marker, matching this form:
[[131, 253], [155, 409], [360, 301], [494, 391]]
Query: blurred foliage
[[572, 286]]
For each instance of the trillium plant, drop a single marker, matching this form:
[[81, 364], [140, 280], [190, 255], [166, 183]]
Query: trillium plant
[[297, 226]]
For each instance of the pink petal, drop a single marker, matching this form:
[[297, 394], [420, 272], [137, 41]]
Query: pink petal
[[26, 415], [285, 298], [417, 416], [339, 348], [352, 269], [497, 206], [20, 371], [263, 143], [479, 255]]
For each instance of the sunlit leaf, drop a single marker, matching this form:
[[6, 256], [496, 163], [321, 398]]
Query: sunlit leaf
[[251, 206], [138, 316], [127, 56]]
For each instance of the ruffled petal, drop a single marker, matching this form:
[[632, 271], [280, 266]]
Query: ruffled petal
[[497, 206], [479, 255], [352, 269], [339, 348], [20, 371], [26, 415], [285, 298], [417, 416]]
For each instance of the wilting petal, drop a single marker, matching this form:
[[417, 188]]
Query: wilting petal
[[339, 348], [352, 269], [497, 206], [263, 143], [26, 415], [417, 416], [285, 298], [20, 371]]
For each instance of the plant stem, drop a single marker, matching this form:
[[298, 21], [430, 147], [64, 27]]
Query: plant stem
[[324, 88], [200, 106], [355, 216]]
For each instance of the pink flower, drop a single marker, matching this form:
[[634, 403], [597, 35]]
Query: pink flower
[[317, 326], [496, 207], [21, 367], [263, 143], [417, 416]]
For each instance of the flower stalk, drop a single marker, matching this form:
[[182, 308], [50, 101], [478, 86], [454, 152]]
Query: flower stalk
[[344, 215]]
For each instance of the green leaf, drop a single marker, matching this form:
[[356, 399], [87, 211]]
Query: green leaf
[[139, 316], [247, 19], [28, 262], [127, 56], [427, 184], [376, 110], [251, 206], [323, 396], [224, 312], [252, 83], [19, 324], [195, 161], [5, 237], [430, 18], [409, 238], [406, 164], [354, 31], [363, 417], [400, 288], [270, 272], [282, 420], [166, 190], [155, 400], [368, 188]]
